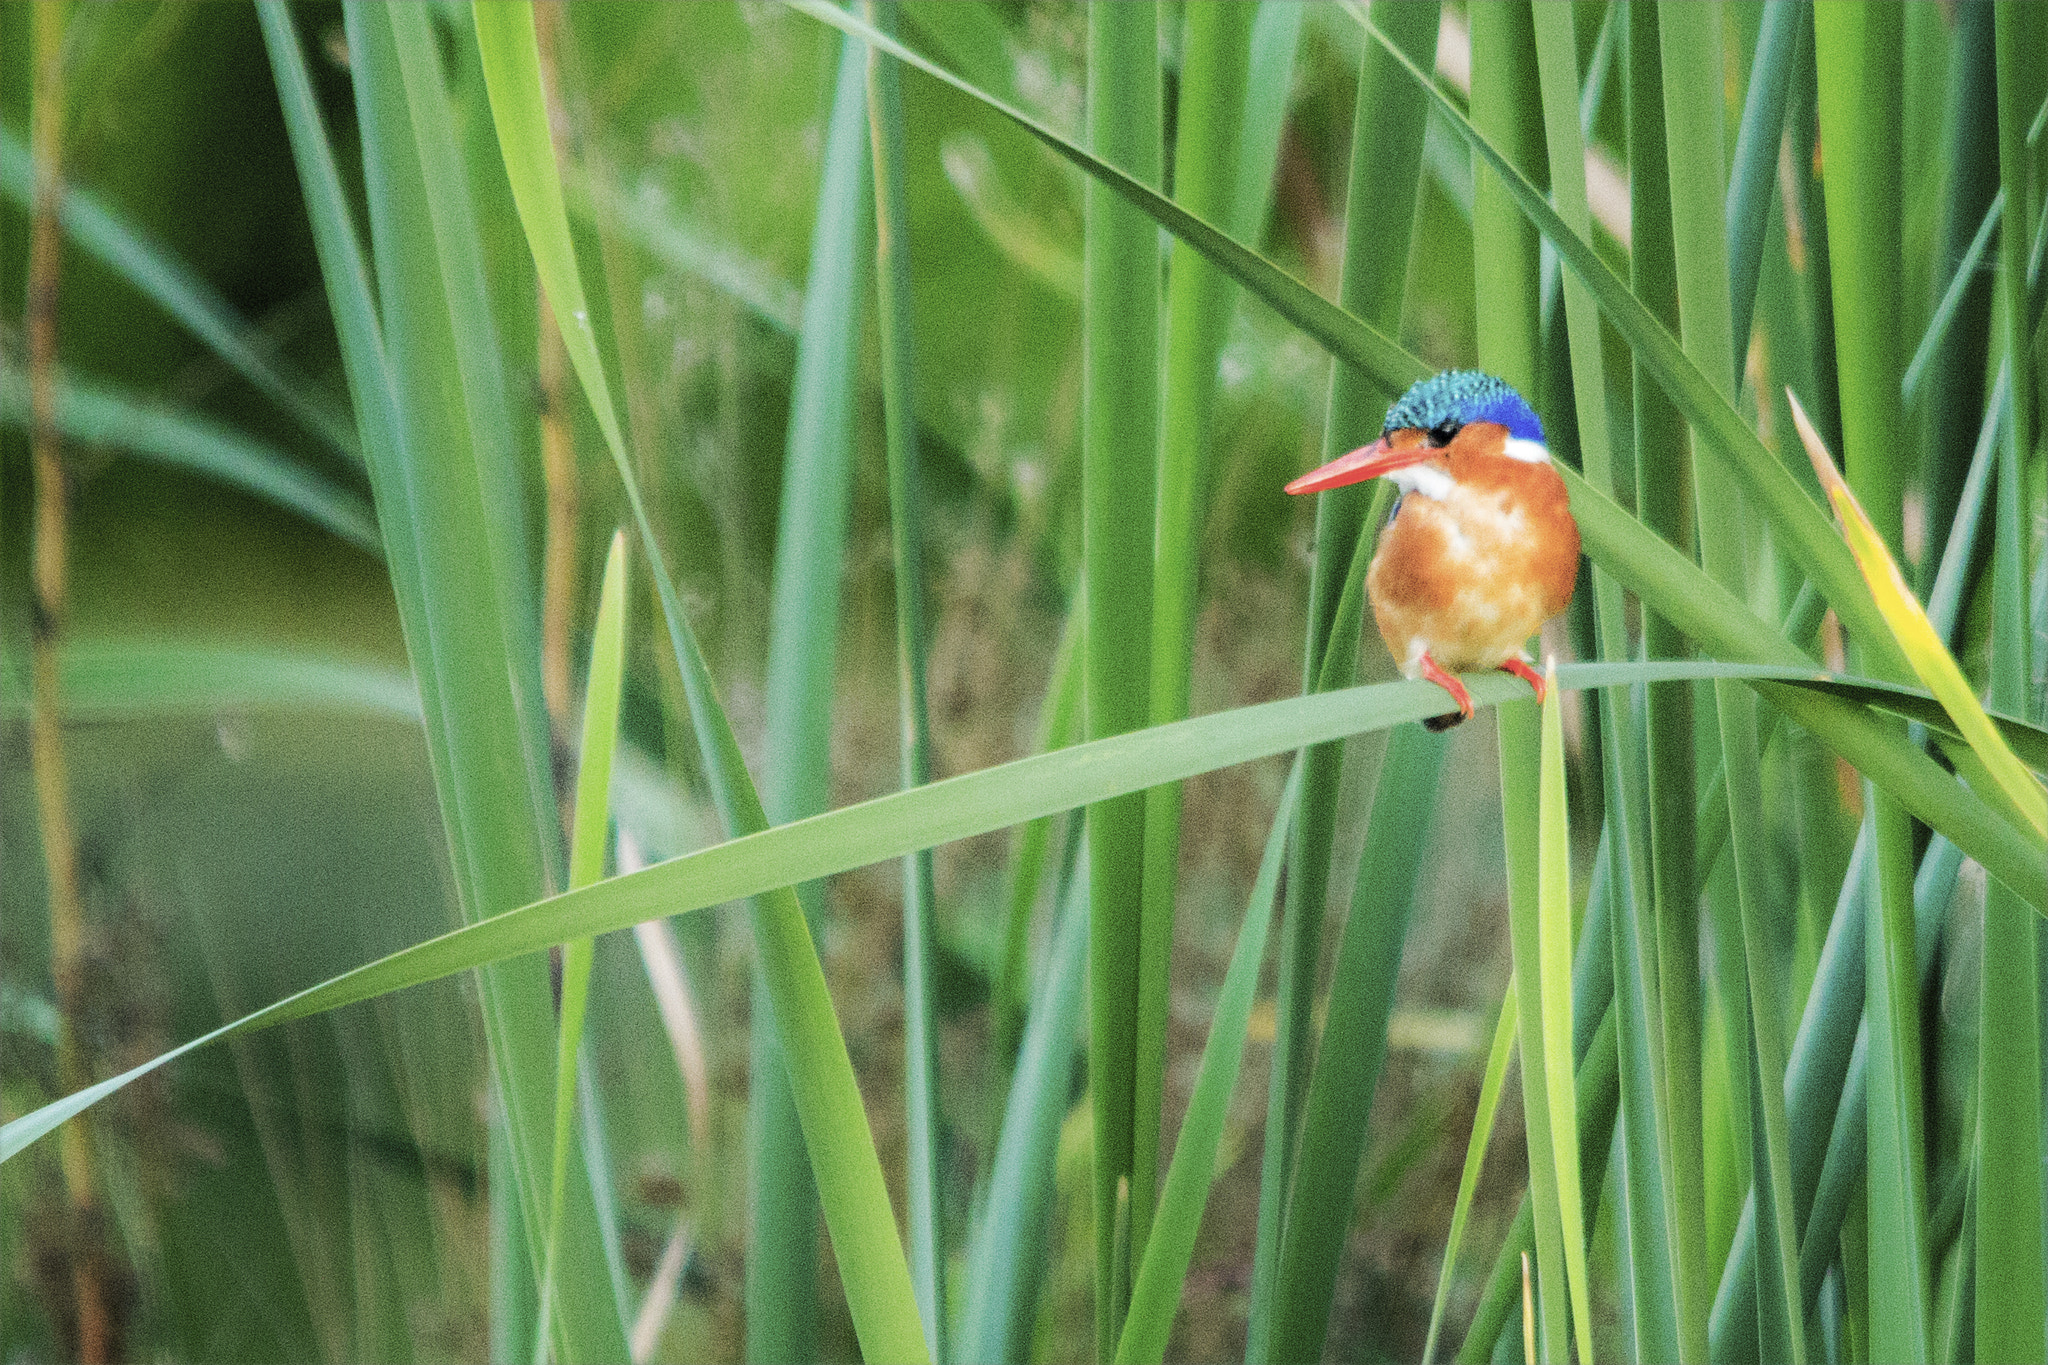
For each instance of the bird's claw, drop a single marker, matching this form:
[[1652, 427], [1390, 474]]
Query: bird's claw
[[1521, 669], [1435, 674]]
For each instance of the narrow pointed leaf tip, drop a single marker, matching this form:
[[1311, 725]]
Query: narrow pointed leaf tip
[[1917, 638]]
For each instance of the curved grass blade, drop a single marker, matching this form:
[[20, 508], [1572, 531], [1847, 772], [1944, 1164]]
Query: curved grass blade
[[591, 823], [93, 413], [1475, 1158], [849, 1174], [120, 679], [1156, 1287], [104, 233]]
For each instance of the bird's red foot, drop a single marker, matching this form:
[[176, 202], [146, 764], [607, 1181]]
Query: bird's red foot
[[1434, 674], [1527, 675]]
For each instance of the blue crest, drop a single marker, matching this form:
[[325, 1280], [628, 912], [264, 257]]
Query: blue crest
[[1457, 397]]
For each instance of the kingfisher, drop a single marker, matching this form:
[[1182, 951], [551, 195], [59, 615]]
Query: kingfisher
[[1481, 548]]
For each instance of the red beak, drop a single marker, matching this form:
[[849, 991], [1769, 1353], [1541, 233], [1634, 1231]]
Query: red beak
[[1367, 462]]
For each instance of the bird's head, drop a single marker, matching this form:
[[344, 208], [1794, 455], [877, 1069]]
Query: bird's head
[[1421, 439]]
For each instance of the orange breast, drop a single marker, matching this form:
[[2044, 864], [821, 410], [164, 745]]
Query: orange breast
[[1469, 576]]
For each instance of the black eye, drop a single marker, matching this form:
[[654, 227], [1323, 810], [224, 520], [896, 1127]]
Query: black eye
[[1441, 435]]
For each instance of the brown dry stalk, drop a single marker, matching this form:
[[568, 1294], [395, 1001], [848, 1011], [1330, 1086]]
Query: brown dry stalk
[[558, 471], [46, 741]]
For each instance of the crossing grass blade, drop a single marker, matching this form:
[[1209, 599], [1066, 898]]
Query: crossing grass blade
[[1059, 725], [589, 830], [841, 1145], [1951, 301], [1156, 1287]]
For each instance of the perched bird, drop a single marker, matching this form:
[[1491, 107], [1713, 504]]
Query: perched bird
[[1481, 549]]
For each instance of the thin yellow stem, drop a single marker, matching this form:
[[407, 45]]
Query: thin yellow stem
[[48, 586]]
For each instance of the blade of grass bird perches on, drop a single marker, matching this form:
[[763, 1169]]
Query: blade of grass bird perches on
[[858, 1215], [1475, 1158], [873, 831], [591, 821], [1554, 916], [1156, 1286], [1917, 639]]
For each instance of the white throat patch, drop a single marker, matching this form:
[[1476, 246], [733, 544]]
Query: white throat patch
[[1425, 479], [1529, 452]]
